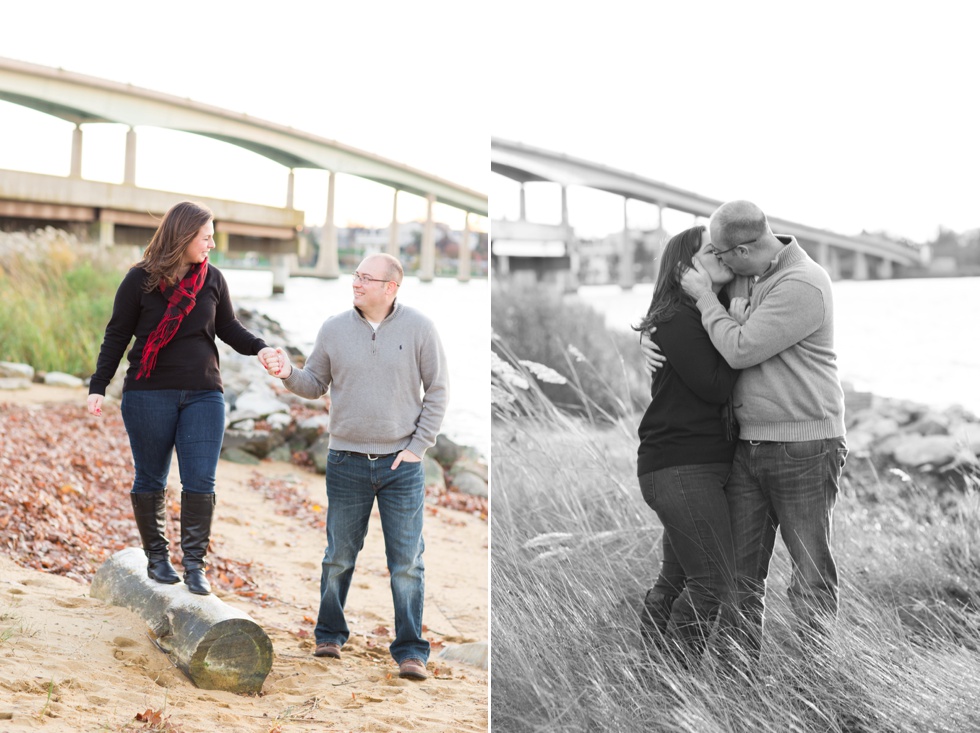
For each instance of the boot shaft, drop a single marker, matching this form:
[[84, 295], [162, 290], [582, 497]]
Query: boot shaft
[[150, 512], [196, 513]]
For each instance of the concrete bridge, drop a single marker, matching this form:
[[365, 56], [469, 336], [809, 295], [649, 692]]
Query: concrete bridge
[[544, 248], [125, 213]]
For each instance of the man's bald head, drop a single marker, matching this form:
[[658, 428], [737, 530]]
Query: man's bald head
[[737, 222]]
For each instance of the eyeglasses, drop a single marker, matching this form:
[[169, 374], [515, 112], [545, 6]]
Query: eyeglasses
[[359, 278], [740, 244]]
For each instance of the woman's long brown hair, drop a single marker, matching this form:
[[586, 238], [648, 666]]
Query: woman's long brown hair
[[163, 257], [667, 293]]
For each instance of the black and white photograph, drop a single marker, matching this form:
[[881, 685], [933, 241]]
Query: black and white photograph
[[735, 264]]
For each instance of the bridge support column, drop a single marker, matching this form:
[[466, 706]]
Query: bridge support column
[[290, 186], [523, 216], [107, 233], [129, 176], [860, 266], [833, 263], [328, 261], [221, 241], [626, 281], [564, 206], [427, 261], [884, 269], [280, 273], [464, 251], [393, 248], [76, 152]]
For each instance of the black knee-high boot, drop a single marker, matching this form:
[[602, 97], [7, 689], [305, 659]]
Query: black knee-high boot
[[196, 511], [150, 510]]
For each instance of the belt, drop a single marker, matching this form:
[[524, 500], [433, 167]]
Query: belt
[[765, 442], [369, 456]]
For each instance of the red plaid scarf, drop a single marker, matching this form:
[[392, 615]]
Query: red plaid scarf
[[180, 302]]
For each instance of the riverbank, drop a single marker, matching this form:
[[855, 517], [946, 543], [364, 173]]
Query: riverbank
[[901, 658], [69, 662]]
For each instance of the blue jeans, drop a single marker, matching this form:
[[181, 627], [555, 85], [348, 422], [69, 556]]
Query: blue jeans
[[698, 558], [792, 487], [159, 420], [353, 483]]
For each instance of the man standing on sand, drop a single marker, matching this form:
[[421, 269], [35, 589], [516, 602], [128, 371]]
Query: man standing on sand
[[790, 408], [374, 359]]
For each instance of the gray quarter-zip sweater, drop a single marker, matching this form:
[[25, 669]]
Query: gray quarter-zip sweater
[[388, 388], [789, 389]]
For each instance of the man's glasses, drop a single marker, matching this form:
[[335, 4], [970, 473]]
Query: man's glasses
[[359, 278], [740, 244]]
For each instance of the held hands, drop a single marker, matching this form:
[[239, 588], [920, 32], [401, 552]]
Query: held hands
[[653, 359], [95, 404], [739, 310], [695, 280], [275, 362], [407, 456]]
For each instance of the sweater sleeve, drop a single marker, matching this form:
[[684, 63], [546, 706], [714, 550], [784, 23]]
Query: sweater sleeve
[[790, 311], [435, 385], [313, 380], [228, 328], [692, 356], [119, 331]]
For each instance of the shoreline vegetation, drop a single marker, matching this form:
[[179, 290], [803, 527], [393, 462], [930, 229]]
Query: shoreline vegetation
[[575, 548]]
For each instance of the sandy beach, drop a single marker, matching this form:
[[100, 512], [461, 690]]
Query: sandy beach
[[69, 662]]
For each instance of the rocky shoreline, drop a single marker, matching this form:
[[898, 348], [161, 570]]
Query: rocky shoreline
[[941, 443], [263, 420]]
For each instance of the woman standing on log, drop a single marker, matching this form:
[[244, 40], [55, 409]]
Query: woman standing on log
[[175, 304]]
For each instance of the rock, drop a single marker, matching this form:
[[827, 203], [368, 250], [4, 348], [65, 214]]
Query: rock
[[475, 653], [13, 370], [445, 451], [259, 401], [318, 453], [237, 455], [434, 475], [279, 421], [256, 442], [60, 379], [470, 483], [313, 427], [918, 450], [12, 383], [471, 465], [282, 454], [932, 423]]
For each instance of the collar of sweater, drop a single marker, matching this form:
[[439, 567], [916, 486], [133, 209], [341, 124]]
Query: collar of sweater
[[395, 308], [789, 255]]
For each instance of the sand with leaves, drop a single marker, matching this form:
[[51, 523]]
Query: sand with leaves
[[69, 662]]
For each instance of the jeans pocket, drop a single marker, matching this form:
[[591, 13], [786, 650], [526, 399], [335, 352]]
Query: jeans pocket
[[336, 457], [806, 450]]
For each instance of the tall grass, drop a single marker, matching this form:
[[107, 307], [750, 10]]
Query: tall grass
[[567, 335], [575, 548], [56, 297]]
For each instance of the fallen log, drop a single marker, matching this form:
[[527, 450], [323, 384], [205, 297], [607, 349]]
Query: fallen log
[[218, 647]]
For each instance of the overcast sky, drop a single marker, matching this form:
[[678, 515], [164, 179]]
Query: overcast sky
[[844, 115], [402, 80]]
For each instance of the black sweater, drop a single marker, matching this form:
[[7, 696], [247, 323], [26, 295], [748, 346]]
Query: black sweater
[[684, 423], [190, 360]]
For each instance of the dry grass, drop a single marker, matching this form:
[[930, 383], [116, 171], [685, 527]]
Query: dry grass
[[574, 548]]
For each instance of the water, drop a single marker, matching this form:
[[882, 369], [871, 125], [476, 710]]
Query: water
[[914, 339], [461, 312]]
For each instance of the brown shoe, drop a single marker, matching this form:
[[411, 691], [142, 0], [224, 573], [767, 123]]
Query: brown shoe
[[327, 649], [412, 669]]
